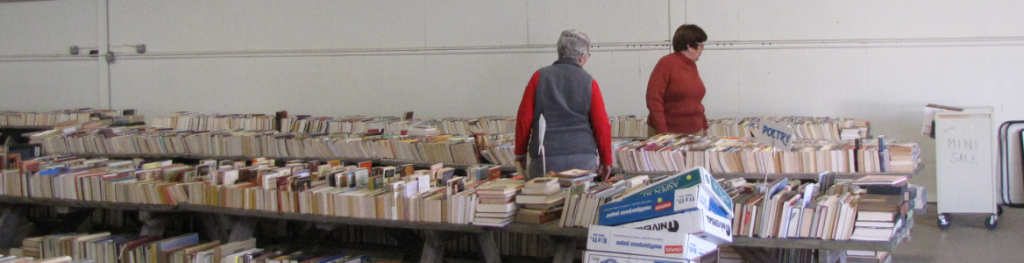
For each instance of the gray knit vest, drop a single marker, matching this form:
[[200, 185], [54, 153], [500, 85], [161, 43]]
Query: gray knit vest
[[563, 96]]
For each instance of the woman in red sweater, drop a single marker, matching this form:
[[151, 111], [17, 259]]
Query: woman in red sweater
[[675, 90]]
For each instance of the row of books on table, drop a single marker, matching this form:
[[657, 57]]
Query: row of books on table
[[824, 128], [672, 152], [187, 248], [310, 187], [489, 125], [146, 140], [194, 121], [629, 126], [439, 195], [60, 117]]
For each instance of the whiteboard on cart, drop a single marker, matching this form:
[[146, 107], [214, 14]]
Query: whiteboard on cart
[[964, 160]]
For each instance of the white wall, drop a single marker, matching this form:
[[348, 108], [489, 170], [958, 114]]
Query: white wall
[[434, 85], [48, 28], [952, 63]]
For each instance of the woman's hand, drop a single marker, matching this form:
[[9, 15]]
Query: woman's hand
[[604, 171]]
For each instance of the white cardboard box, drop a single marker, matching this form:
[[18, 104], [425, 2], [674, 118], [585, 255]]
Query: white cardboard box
[[701, 223], [646, 242]]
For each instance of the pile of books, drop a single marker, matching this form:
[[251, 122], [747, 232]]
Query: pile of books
[[540, 201], [904, 156], [746, 155], [824, 128], [194, 121], [679, 218], [497, 202], [61, 118], [883, 208], [868, 256]]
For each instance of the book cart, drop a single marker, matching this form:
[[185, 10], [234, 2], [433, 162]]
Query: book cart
[[965, 170], [233, 224]]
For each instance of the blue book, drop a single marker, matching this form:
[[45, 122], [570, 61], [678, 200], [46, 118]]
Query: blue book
[[694, 177], [643, 207]]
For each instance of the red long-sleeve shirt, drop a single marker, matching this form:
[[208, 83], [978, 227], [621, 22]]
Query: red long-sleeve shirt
[[674, 95], [598, 120]]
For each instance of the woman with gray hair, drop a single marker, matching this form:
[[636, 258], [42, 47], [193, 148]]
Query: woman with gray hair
[[577, 132]]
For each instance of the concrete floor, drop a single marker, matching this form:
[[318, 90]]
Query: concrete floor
[[966, 240]]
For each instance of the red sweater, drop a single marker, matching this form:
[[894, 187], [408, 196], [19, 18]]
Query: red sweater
[[598, 121], [674, 96]]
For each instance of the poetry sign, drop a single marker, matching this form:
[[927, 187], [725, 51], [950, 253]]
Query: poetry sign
[[775, 134]]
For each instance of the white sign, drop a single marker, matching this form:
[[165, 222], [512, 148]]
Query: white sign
[[775, 134], [647, 242]]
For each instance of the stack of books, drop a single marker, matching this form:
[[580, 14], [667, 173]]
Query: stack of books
[[575, 177], [860, 256], [883, 209], [497, 206], [540, 201], [904, 157], [683, 217], [32, 247]]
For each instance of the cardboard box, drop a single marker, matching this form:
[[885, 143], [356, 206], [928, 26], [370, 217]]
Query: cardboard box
[[609, 257], [650, 243], [709, 226], [639, 208]]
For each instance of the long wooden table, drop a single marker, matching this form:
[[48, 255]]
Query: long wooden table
[[437, 234]]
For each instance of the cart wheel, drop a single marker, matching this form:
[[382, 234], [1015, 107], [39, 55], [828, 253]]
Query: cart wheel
[[999, 210], [992, 221], [944, 224]]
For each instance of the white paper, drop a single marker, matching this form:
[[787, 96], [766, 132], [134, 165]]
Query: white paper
[[929, 119]]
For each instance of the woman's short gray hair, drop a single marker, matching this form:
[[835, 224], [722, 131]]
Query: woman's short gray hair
[[573, 44]]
